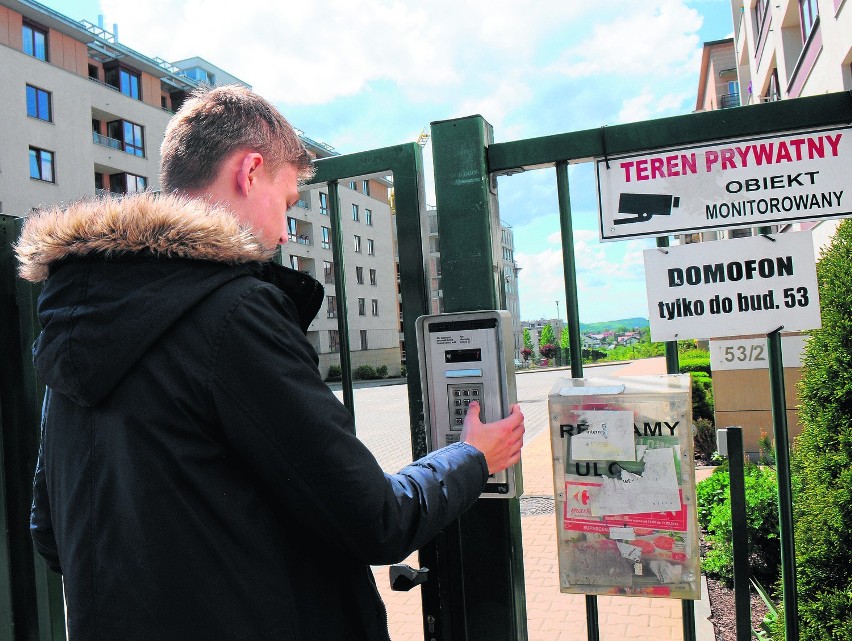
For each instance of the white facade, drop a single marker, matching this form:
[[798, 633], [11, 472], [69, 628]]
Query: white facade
[[369, 271], [793, 48]]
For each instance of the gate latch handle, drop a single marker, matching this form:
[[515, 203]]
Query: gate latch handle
[[404, 577]]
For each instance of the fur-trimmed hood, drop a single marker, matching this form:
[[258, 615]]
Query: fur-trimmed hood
[[119, 274], [162, 225]]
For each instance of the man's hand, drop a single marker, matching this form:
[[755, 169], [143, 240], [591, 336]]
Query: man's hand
[[499, 441]]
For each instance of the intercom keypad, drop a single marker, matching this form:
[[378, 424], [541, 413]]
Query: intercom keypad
[[459, 397]]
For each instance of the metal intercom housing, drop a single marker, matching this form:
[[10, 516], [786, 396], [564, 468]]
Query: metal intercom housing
[[467, 356]]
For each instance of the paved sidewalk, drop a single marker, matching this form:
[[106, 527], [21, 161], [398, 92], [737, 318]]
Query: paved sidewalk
[[551, 615]]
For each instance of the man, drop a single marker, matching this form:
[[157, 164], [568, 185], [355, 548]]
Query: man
[[196, 477]]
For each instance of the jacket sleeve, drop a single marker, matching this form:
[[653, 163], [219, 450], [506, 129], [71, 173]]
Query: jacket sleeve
[[41, 524], [281, 418]]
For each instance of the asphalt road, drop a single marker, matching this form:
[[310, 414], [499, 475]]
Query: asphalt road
[[381, 413]]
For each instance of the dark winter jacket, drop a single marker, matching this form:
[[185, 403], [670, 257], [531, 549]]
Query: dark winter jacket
[[197, 479]]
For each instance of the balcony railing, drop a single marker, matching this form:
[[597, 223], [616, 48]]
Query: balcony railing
[[729, 100], [106, 141], [304, 204], [299, 239]]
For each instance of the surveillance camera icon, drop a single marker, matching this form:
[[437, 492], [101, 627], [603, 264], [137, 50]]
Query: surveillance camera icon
[[643, 207]]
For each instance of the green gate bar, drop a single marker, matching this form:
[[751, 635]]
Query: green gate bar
[[489, 575], [739, 538], [341, 306], [785, 492], [31, 593], [572, 305]]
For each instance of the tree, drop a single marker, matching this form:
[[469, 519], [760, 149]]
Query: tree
[[822, 457], [547, 336], [564, 339], [548, 350], [528, 344]]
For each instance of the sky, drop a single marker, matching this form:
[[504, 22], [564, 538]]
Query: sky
[[359, 76]]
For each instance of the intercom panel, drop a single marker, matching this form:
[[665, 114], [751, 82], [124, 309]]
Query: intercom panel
[[465, 357]]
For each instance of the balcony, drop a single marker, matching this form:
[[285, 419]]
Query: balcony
[[299, 239], [100, 139], [729, 100]]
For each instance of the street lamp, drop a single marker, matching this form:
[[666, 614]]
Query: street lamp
[[557, 310]]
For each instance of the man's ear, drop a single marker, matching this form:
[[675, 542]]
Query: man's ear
[[247, 171]]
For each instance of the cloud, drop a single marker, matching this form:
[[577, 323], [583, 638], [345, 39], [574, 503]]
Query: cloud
[[313, 53], [646, 39]]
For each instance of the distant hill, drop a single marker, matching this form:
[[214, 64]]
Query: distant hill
[[629, 323]]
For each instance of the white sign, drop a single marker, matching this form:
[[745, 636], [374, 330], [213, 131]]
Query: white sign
[[735, 183], [751, 353], [608, 437], [732, 287]]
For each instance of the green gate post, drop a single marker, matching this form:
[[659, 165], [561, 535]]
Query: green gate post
[[30, 593], [489, 577]]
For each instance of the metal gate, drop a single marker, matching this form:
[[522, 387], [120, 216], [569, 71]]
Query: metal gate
[[476, 588]]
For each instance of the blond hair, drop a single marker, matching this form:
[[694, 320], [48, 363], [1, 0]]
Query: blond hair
[[212, 124]]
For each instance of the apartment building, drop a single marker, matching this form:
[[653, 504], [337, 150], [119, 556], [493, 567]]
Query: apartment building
[[780, 50], [507, 283], [83, 115], [372, 304], [793, 48]]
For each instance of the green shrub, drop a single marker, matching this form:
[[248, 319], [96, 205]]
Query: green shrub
[[366, 373], [704, 439], [822, 457], [714, 514], [382, 371], [702, 396], [694, 360], [403, 371], [334, 373]]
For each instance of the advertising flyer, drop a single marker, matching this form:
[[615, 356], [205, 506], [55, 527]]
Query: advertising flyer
[[624, 482]]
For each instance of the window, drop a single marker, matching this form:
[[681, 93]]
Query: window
[[93, 72], [359, 275], [129, 134], [365, 185], [323, 198], [375, 306], [124, 79], [127, 183], [326, 238], [355, 212], [333, 340], [434, 245], [99, 181], [362, 307], [352, 185], [372, 276], [364, 339], [294, 262], [34, 41], [761, 17], [331, 306], [41, 165], [38, 103], [328, 271], [358, 244], [809, 11], [371, 247], [368, 216], [292, 229]]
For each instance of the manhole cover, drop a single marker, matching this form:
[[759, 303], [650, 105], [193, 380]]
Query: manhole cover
[[537, 505]]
